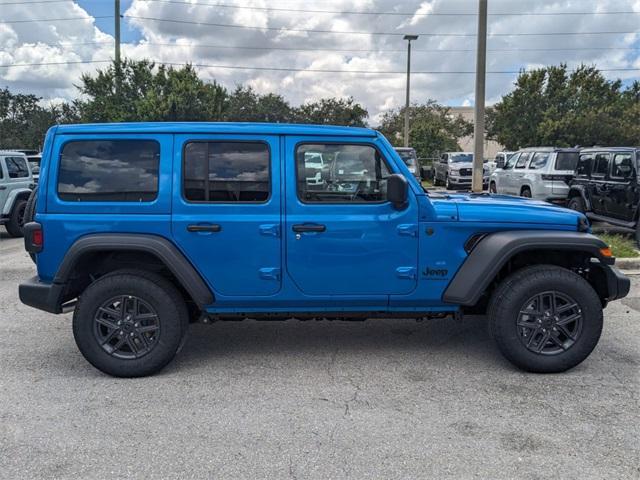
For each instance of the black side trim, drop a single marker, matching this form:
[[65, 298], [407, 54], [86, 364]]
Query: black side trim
[[168, 253], [493, 252], [613, 221]]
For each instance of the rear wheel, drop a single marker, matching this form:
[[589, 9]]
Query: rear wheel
[[525, 192], [577, 204], [545, 319], [16, 220], [130, 323], [492, 188]]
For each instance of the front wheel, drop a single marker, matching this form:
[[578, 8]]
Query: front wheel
[[545, 319], [130, 323]]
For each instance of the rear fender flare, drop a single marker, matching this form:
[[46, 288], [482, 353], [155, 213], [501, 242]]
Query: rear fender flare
[[579, 190], [158, 246], [14, 194]]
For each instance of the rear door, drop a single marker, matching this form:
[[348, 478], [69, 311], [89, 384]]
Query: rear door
[[505, 181], [226, 210], [342, 237], [599, 183]]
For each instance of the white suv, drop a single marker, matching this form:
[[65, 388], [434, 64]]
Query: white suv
[[16, 183], [542, 173]]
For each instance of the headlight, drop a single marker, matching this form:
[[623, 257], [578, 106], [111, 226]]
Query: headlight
[[454, 172]]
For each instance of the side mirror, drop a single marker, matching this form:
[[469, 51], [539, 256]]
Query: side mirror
[[500, 163], [397, 190]]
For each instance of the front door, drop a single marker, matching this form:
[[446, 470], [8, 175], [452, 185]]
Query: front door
[[226, 210], [342, 236], [623, 187]]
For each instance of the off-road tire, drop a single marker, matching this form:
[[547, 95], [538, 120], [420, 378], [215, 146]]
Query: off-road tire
[[30, 210], [16, 219], [510, 296], [577, 203], [153, 289], [30, 213]]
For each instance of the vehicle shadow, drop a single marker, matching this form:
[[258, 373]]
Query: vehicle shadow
[[442, 340]]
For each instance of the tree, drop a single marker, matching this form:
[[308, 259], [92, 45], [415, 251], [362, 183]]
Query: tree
[[147, 93], [333, 111], [551, 106], [24, 122], [432, 128], [246, 105]]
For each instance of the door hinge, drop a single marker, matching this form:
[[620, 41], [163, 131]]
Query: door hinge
[[406, 272], [270, 230], [408, 229], [270, 273]]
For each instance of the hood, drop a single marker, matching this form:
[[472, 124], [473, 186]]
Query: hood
[[486, 208]]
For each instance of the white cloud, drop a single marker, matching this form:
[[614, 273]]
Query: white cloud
[[49, 43]]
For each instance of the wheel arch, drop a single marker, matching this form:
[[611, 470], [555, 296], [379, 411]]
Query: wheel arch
[[501, 253], [14, 195], [96, 255], [579, 191]]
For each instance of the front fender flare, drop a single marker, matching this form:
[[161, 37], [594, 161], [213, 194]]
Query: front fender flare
[[490, 254]]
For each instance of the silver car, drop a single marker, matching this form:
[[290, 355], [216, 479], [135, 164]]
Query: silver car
[[16, 183], [543, 173], [454, 169]]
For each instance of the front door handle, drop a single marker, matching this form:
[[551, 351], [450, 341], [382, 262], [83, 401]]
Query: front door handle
[[204, 228], [309, 227]]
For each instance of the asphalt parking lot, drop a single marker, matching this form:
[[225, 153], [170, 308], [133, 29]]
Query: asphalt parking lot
[[375, 399]]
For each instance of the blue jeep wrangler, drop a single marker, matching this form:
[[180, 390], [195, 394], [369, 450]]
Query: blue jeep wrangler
[[143, 228]]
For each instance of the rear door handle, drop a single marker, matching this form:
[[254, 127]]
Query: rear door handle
[[204, 228], [309, 227]]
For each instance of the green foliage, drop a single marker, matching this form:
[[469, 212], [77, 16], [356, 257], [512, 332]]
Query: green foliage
[[621, 246], [432, 128], [24, 122], [245, 105], [144, 93], [332, 111], [551, 106]]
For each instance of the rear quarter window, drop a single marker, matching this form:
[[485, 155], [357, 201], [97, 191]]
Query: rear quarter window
[[109, 171], [567, 161]]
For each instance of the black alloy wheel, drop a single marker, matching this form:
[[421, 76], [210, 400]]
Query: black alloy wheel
[[126, 327], [549, 323]]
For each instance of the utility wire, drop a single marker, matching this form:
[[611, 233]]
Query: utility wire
[[426, 34], [399, 14], [312, 70]]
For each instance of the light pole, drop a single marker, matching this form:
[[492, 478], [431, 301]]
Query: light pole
[[408, 38], [481, 66]]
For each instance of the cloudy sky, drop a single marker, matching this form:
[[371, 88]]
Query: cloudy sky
[[300, 48]]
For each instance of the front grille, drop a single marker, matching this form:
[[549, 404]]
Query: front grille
[[465, 172]]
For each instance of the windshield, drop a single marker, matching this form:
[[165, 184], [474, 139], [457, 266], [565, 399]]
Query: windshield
[[567, 161], [408, 157], [461, 158]]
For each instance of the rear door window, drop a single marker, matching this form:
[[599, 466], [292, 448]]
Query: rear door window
[[226, 172], [539, 160], [109, 171]]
